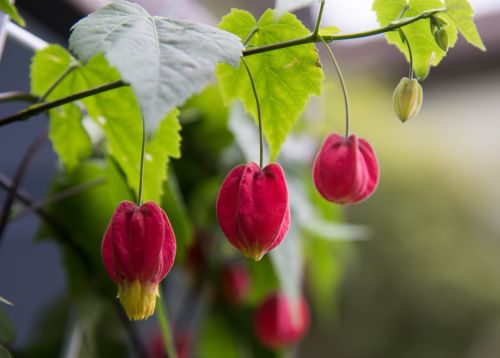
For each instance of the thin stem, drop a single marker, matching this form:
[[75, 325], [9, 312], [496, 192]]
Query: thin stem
[[279, 45], [250, 35], [259, 113], [317, 38], [57, 82], [17, 96], [61, 234], [405, 40], [165, 327], [141, 173], [318, 21], [32, 150], [344, 87], [42, 107], [58, 197]]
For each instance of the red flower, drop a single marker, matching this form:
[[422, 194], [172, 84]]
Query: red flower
[[346, 170], [252, 208], [279, 322], [138, 251], [235, 283], [183, 342]]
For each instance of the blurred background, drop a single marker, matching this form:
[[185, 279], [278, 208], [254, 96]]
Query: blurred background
[[425, 284]]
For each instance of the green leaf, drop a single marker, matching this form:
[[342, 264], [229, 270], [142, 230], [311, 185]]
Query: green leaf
[[329, 31], [461, 13], [164, 144], [285, 79], [116, 112], [69, 139], [425, 50], [165, 60], [86, 215], [11, 11]]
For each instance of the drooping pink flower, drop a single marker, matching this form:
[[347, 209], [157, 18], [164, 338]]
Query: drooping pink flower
[[235, 282], [280, 321], [252, 208], [183, 341], [346, 170], [138, 251]]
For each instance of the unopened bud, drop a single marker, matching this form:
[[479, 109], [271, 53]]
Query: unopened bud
[[438, 22], [441, 37], [407, 99]]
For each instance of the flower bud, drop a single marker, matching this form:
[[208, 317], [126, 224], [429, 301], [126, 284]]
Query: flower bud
[[407, 99], [441, 37], [138, 251], [437, 22], [280, 321], [235, 283], [345, 170], [252, 208]]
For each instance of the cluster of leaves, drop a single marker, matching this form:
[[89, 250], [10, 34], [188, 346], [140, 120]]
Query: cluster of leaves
[[425, 50], [165, 62]]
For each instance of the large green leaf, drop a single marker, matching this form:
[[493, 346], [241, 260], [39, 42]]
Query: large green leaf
[[425, 50], [461, 13], [9, 9], [116, 112], [285, 79], [165, 60]]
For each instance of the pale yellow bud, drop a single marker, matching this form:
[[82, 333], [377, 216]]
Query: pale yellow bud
[[407, 98]]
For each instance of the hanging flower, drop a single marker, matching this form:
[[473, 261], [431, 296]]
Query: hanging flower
[[280, 322], [252, 208], [138, 251], [346, 170]]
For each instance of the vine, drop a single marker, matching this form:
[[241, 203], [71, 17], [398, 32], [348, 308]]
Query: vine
[[271, 65]]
